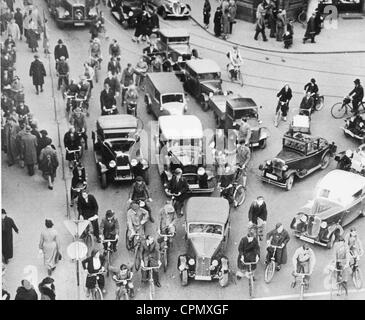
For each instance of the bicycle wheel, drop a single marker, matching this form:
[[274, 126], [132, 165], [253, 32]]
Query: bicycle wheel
[[98, 294], [107, 263], [357, 278], [338, 110], [302, 291], [152, 289], [128, 243], [137, 260], [239, 195], [164, 260], [320, 103], [269, 271], [250, 287]]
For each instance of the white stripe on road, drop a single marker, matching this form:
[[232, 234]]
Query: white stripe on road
[[307, 295]]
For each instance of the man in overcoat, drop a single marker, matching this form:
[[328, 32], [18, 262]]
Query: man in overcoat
[[37, 72], [11, 130], [29, 150], [8, 226], [310, 32], [278, 237]]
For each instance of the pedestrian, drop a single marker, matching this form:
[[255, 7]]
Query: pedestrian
[[126, 80], [272, 16], [37, 72], [88, 208], [310, 32], [318, 21], [232, 14], [114, 67], [288, 35], [114, 49], [278, 237], [260, 28], [150, 258], [29, 150], [46, 43], [224, 5], [48, 163], [261, 9], [13, 30], [225, 23], [60, 50], [32, 36], [43, 141], [49, 247], [47, 289], [11, 129], [26, 291], [280, 24], [7, 227], [18, 16], [206, 13], [218, 22], [6, 16], [26, 18]]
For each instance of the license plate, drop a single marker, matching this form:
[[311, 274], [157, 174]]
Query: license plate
[[193, 186], [255, 144], [271, 176], [306, 239], [77, 24]]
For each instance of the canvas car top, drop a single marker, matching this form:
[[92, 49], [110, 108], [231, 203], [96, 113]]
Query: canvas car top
[[203, 66], [240, 102], [119, 121], [166, 82], [220, 101], [207, 209], [180, 127], [174, 32]]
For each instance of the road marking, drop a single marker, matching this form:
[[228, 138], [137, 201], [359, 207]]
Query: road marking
[[306, 295]]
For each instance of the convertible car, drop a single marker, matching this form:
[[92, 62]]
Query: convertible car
[[339, 199]]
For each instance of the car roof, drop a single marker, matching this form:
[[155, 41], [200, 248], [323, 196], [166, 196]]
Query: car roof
[[181, 127], [207, 209], [118, 121], [240, 102], [203, 65], [343, 182], [166, 82], [174, 32]]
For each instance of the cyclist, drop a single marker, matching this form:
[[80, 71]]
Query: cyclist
[[94, 264], [235, 62], [257, 214], [304, 261], [342, 262], [277, 237], [178, 187], [109, 229], [136, 218], [95, 51], [107, 101], [354, 243], [131, 96], [72, 142], [78, 178], [89, 74], [88, 208], [167, 220], [225, 183], [140, 70], [150, 258], [114, 49], [139, 191], [63, 71], [248, 251], [345, 162], [84, 90], [307, 104], [78, 120], [313, 89], [243, 156], [357, 94], [284, 95], [123, 274]]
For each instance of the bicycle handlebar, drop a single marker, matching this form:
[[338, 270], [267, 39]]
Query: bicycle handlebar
[[95, 274], [301, 274], [166, 235], [109, 240], [249, 263], [149, 268], [73, 151], [122, 280]]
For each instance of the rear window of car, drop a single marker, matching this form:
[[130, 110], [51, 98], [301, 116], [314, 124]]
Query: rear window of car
[[167, 98], [206, 228]]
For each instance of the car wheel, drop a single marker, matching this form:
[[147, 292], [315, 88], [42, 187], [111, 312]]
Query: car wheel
[[325, 161], [103, 181], [184, 278], [205, 106], [289, 182], [332, 241]]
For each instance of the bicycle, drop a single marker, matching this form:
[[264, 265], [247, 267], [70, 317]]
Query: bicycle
[[340, 109], [336, 280], [124, 290], [96, 293], [77, 154], [356, 272], [237, 74], [303, 284], [238, 196], [271, 265], [150, 280], [70, 104], [108, 252], [249, 275], [278, 114], [318, 101], [134, 245], [165, 249], [258, 230]]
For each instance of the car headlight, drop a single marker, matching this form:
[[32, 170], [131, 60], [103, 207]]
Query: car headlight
[[180, 59], [112, 164], [201, 171], [323, 224], [285, 168], [211, 94], [268, 162], [134, 162], [191, 262], [66, 14], [303, 218], [130, 14], [214, 263]]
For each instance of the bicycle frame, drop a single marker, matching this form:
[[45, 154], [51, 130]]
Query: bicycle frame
[[249, 275], [150, 279], [96, 288], [302, 283]]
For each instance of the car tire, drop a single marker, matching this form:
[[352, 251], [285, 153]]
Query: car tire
[[332, 240], [289, 182], [325, 161], [184, 278], [205, 106], [103, 181]]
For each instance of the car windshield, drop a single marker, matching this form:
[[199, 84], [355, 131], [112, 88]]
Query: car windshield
[[198, 143], [120, 145], [208, 228], [248, 112], [335, 195], [185, 154], [321, 205], [209, 76], [167, 98], [178, 40]]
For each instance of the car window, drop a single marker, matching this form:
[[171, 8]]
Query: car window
[[357, 195], [205, 228], [167, 98], [209, 76], [178, 39], [250, 113], [294, 144]]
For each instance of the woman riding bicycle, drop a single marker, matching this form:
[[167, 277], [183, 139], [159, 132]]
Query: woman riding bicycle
[[120, 276], [284, 95], [235, 62], [94, 264], [72, 143]]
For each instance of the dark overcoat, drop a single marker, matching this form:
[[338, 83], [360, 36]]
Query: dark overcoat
[[8, 226], [37, 72], [29, 148]]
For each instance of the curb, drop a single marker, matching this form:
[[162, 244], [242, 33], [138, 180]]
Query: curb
[[276, 51]]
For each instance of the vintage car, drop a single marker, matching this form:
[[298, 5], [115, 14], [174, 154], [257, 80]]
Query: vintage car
[[228, 111], [207, 227], [171, 8], [117, 149], [164, 94], [339, 199], [181, 144], [126, 12], [202, 79], [356, 163], [174, 42], [72, 12], [301, 155], [355, 127]]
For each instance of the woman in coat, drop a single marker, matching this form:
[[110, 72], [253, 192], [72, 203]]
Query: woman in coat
[[232, 14], [277, 237], [11, 129], [206, 13], [94, 264], [218, 22], [47, 289], [32, 36], [280, 25], [48, 163], [248, 251], [50, 247], [37, 72], [310, 32], [225, 23], [7, 226]]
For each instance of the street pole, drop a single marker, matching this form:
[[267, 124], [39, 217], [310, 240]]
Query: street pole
[[77, 262]]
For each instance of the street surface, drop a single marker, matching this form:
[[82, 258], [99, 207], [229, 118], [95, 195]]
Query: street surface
[[28, 201]]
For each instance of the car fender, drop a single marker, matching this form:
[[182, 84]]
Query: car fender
[[263, 133], [187, 7], [102, 167], [290, 172], [205, 96], [147, 99], [332, 228]]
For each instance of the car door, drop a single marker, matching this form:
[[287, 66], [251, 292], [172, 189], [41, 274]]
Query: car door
[[354, 208], [156, 103]]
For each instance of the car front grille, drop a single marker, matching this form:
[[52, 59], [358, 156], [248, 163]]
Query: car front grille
[[78, 13], [314, 225], [277, 167], [202, 267], [123, 162], [176, 8]]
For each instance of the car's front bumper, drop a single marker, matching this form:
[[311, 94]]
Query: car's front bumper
[[309, 240], [271, 181], [196, 190], [75, 23]]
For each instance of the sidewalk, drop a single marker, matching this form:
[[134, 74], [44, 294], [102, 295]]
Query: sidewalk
[[347, 37]]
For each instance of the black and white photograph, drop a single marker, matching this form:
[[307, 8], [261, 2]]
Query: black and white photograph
[[187, 152]]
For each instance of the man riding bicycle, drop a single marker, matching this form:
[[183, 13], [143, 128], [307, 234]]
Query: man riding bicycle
[[257, 215], [235, 62], [136, 219], [150, 258], [95, 50], [307, 104], [78, 120], [243, 156], [278, 237], [139, 192], [109, 229], [284, 95], [304, 261], [354, 243], [177, 187], [342, 262], [357, 94], [248, 251], [313, 89], [123, 274], [84, 92], [78, 180], [244, 131], [63, 71], [167, 220], [72, 143]]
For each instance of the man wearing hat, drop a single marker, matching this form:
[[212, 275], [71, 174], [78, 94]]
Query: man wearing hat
[[109, 229], [304, 261], [63, 71], [11, 130], [29, 150], [278, 237], [37, 72], [357, 94], [47, 289], [136, 219], [167, 220], [248, 251], [177, 187], [7, 225], [139, 192], [78, 120], [60, 50]]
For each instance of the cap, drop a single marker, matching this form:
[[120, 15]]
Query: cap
[[59, 41], [357, 81], [109, 213], [278, 225], [43, 132], [139, 178], [47, 280], [178, 171]]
